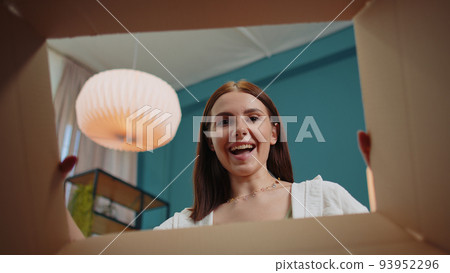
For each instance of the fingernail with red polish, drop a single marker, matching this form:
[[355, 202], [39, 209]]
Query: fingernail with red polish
[[68, 163]]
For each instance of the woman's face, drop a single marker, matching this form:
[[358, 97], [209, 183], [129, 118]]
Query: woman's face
[[242, 133]]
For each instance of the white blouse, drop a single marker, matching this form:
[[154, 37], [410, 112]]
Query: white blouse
[[309, 198]]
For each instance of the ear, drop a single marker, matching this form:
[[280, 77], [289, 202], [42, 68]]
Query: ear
[[274, 135], [364, 142]]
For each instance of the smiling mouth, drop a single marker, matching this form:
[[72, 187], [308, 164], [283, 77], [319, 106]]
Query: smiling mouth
[[242, 149]]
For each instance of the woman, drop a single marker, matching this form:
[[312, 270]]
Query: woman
[[243, 171]]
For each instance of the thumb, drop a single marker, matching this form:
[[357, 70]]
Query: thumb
[[68, 163]]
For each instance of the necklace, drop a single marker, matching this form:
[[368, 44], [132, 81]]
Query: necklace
[[253, 193]]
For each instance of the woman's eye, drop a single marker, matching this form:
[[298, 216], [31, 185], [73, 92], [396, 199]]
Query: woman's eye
[[254, 119], [222, 122]]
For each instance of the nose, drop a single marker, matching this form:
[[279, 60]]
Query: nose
[[241, 128]]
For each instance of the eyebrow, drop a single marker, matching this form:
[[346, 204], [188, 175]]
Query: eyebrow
[[250, 110]]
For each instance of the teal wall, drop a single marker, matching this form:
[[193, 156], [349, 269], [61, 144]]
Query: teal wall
[[323, 82]]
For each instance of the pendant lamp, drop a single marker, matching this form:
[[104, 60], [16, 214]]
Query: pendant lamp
[[128, 110]]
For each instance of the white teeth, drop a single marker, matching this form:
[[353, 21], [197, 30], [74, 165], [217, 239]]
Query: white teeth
[[241, 147]]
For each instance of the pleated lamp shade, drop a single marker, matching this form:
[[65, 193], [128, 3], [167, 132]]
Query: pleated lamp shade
[[128, 110]]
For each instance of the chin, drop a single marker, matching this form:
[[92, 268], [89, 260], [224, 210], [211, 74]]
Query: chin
[[243, 170]]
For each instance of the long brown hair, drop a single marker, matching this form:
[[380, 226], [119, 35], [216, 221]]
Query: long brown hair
[[211, 180]]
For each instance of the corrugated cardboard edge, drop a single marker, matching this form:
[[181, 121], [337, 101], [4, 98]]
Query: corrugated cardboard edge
[[402, 56]]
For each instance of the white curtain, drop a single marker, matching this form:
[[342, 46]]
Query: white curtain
[[72, 142]]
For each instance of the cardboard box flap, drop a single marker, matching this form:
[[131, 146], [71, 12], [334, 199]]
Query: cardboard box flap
[[31, 205], [360, 234], [404, 70], [68, 18]]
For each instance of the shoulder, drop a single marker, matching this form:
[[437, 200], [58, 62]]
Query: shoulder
[[182, 219], [332, 197], [319, 186], [179, 218]]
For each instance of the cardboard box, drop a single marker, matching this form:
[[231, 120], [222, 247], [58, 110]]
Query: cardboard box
[[404, 67]]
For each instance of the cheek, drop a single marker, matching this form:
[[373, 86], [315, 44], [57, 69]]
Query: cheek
[[221, 152], [265, 132], [264, 146], [219, 141]]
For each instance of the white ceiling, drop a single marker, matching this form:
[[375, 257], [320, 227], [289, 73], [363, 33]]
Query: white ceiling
[[191, 56]]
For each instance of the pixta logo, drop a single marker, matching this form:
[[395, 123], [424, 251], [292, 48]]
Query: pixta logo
[[308, 125], [146, 128]]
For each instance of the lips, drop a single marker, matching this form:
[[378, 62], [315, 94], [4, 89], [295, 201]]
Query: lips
[[241, 151]]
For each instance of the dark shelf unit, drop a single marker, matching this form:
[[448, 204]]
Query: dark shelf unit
[[116, 191]]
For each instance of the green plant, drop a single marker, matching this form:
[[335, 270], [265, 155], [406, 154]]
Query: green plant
[[81, 208]]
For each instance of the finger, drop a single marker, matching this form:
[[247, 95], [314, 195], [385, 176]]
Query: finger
[[364, 145], [68, 163]]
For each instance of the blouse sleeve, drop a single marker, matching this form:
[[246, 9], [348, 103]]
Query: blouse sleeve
[[349, 204], [338, 201]]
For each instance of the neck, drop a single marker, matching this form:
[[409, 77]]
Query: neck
[[243, 185]]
